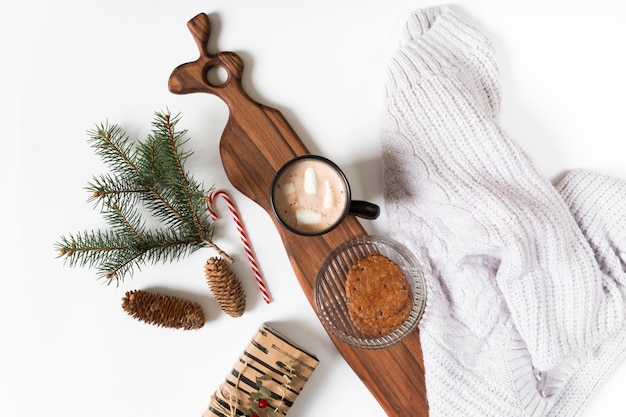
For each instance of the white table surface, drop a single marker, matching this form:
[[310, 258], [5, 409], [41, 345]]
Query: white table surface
[[68, 348]]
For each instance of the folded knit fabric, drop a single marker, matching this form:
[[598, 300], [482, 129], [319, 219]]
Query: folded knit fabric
[[525, 310]]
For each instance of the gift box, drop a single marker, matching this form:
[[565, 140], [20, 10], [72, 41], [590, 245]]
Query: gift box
[[266, 379]]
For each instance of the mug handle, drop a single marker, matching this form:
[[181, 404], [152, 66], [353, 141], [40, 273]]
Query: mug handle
[[364, 209]]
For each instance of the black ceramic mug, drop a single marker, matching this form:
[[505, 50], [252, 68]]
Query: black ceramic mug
[[310, 195]]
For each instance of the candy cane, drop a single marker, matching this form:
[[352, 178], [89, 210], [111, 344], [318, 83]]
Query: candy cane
[[242, 234]]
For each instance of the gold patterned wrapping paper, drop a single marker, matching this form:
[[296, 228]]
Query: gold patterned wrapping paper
[[275, 359]]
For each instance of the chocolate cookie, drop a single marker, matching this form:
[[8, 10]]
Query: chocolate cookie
[[379, 295]]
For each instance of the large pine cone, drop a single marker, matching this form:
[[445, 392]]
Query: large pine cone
[[163, 310], [225, 286]]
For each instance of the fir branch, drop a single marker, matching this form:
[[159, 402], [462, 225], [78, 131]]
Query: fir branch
[[146, 171], [148, 175], [168, 158], [91, 248], [107, 189], [159, 246], [115, 148], [116, 255], [126, 221]]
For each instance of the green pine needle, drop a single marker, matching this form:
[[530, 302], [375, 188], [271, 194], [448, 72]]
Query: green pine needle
[[145, 178]]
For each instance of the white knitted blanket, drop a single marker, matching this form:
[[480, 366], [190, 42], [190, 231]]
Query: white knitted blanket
[[525, 280]]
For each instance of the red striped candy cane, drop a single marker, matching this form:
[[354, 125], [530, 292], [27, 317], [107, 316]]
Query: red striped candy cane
[[242, 234]]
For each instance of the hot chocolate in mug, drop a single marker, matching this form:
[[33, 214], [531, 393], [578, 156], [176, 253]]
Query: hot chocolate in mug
[[310, 195]]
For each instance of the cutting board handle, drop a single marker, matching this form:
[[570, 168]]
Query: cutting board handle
[[193, 77]]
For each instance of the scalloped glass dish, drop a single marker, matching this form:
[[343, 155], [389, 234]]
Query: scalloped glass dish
[[330, 297]]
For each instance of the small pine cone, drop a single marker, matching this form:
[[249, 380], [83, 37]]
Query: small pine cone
[[225, 286], [163, 310]]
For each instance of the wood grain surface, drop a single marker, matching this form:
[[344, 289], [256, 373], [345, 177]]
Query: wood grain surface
[[256, 142]]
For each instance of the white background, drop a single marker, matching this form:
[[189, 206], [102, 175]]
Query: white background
[[68, 349]]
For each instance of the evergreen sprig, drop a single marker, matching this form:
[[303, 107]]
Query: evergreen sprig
[[145, 177], [261, 402]]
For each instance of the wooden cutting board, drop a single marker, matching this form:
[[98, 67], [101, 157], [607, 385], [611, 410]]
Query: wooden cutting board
[[256, 142]]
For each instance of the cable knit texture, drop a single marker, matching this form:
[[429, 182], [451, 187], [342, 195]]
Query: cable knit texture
[[525, 311]]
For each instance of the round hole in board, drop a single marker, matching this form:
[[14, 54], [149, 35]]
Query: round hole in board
[[217, 76]]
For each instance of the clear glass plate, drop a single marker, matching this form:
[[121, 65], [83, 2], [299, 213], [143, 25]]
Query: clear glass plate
[[330, 296]]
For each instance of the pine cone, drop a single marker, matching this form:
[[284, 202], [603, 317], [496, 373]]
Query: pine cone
[[225, 287], [163, 310]]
